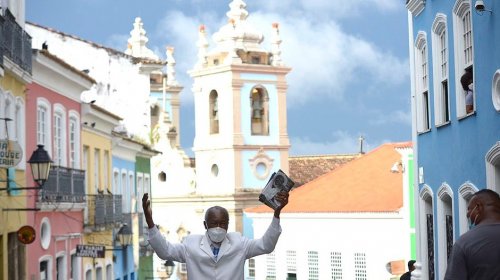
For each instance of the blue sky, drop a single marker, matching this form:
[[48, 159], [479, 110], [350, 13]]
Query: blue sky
[[350, 72]]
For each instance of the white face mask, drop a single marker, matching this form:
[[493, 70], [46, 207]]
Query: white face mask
[[471, 86], [472, 224], [216, 234]]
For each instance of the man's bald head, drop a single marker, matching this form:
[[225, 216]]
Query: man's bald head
[[216, 216], [484, 205]]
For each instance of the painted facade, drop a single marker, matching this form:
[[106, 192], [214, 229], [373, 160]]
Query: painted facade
[[15, 74], [457, 151], [351, 223], [53, 120], [103, 212]]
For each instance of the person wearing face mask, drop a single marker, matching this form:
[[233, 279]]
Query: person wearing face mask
[[468, 86], [476, 254], [216, 254]]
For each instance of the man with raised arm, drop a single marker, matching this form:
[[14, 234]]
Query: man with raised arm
[[216, 254]]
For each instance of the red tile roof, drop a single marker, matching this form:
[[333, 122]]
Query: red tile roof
[[303, 169], [365, 184]]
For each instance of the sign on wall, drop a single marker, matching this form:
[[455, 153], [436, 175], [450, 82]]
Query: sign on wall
[[11, 153], [90, 251]]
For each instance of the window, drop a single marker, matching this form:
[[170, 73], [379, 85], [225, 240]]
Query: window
[[360, 266], [74, 141], [59, 153], [126, 192], [8, 129], [16, 259], [140, 188], [312, 264], [464, 54], [117, 188], [291, 261], [336, 264], [440, 58], [44, 124], [214, 112], [131, 183], [427, 232], [20, 128], [422, 83], [58, 139], [97, 157], [75, 267], [86, 164], [251, 267], [445, 226], [105, 171], [271, 266], [492, 159], [61, 268], [44, 270], [259, 118], [109, 272], [495, 91]]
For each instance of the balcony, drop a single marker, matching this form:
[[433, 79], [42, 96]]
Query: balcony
[[15, 42], [63, 185], [103, 211]]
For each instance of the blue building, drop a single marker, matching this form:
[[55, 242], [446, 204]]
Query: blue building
[[456, 131]]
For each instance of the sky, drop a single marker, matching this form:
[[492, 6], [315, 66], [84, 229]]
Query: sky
[[349, 59]]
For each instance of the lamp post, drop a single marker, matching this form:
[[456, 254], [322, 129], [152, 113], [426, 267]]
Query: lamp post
[[124, 236], [40, 165], [169, 268]]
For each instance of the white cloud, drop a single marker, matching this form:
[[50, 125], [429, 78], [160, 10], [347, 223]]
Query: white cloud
[[395, 117], [341, 142], [326, 61], [325, 8]]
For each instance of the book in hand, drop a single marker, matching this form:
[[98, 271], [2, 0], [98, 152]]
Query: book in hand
[[279, 181]]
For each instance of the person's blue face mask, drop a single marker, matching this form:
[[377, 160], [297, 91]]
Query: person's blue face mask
[[472, 224]]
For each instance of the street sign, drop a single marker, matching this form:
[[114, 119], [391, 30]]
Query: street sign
[[11, 153], [90, 251]]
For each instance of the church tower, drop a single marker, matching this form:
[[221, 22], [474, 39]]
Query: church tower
[[240, 113]]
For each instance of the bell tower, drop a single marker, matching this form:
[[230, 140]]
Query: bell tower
[[240, 111]]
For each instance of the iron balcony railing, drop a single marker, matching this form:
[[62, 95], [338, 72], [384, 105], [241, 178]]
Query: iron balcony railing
[[15, 42], [103, 210], [64, 185]]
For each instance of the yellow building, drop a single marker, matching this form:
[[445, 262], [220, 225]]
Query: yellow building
[[103, 213], [15, 74]]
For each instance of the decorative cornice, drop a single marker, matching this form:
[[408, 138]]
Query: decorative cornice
[[415, 6]]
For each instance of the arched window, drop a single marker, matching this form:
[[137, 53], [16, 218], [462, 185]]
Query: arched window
[[440, 58], [466, 191], [74, 140], [259, 102], [464, 54], [59, 155], [445, 225], [43, 124], [9, 122], [422, 83], [214, 112], [427, 232], [493, 167]]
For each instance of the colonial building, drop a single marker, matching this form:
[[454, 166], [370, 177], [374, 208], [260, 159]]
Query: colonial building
[[456, 127], [54, 119], [15, 74], [354, 222]]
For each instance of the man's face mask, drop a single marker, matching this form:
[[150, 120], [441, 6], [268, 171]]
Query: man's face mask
[[472, 224], [216, 234]]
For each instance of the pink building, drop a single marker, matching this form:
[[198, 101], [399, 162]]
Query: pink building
[[53, 120]]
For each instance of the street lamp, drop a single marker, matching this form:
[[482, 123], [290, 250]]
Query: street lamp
[[169, 268], [124, 236], [40, 165]]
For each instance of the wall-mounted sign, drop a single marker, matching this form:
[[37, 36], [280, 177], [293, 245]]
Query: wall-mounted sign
[[90, 251], [26, 234], [11, 153]]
